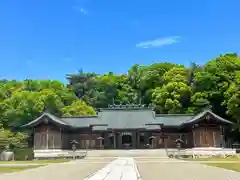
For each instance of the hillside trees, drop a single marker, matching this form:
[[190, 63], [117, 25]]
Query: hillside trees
[[173, 88]]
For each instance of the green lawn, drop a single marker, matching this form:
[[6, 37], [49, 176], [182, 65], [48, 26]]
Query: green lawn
[[229, 158], [8, 169], [235, 166], [36, 161], [230, 166]]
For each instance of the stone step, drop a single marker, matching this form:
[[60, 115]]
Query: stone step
[[126, 153]]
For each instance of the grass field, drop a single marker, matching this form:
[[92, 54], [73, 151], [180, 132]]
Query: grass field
[[36, 161], [8, 169], [231, 162]]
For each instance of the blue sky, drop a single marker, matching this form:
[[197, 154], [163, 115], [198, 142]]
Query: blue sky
[[43, 39]]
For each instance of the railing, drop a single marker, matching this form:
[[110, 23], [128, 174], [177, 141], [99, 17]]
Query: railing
[[196, 152]]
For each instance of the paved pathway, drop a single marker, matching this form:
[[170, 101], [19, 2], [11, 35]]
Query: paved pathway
[[171, 169], [148, 168], [74, 170], [120, 169]]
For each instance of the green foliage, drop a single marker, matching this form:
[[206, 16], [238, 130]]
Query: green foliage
[[20, 154], [171, 87], [10, 140], [78, 108], [172, 97]]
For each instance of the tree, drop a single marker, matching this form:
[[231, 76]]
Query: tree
[[176, 74], [232, 101], [172, 98], [10, 140], [174, 88], [78, 108]]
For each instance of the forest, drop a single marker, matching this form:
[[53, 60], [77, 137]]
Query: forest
[[170, 88]]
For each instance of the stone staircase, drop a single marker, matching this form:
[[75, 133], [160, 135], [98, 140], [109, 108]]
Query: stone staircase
[[160, 153]]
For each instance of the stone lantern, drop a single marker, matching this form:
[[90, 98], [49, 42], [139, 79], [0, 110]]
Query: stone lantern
[[179, 143], [100, 141], [74, 147], [153, 138]]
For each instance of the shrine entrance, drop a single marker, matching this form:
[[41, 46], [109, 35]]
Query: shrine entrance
[[127, 140]]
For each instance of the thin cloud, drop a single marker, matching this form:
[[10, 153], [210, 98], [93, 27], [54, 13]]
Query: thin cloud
[[80, 9], [159, 42]]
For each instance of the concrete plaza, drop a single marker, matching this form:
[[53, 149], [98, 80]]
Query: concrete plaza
[[125, 168]]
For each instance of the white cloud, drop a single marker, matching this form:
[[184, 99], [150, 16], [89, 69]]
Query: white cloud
[[80, 9], [159, 42]]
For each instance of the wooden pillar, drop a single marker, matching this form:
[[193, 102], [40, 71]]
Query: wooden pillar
[[120, 140], [90, 141], [61, 145], [34, 139], [134, 139], [194, 139], [146, 136], [214, 139], [106, 139], [222, 136], [47, 138], [114, 140], [138, 139]]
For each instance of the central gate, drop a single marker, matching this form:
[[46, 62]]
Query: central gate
[[127, 140]]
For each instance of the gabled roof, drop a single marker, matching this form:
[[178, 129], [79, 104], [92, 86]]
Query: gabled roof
[[50, 117], [131, 118], [205, 113]]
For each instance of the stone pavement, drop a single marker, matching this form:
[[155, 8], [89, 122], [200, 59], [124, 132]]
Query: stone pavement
[[74, 170], [128, 168], [172, 169], [120, 169]]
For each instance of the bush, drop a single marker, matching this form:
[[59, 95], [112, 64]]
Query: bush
[[170, 156], [20, 154], [186, 156]]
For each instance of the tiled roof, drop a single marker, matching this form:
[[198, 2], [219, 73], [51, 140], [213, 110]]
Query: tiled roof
[[203, 114], [173, 119], [80, 121], [134, 118], [50, 117], [126, 118]]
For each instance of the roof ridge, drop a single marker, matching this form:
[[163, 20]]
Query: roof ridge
[[159, 115], [126, 109], [77, 116]]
